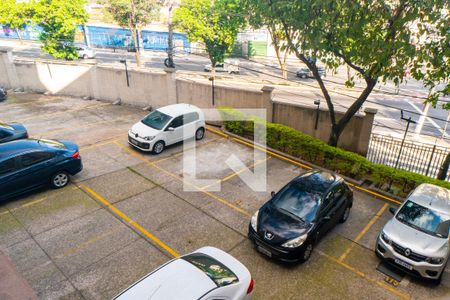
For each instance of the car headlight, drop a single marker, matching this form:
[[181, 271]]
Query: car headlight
[[385, 238], [149, 138], [297, 242], [254, 220], [435, 260]]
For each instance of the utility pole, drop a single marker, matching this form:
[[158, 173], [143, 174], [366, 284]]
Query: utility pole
[[409, 121]]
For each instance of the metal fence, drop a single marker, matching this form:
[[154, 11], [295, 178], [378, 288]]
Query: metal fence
[[416, 157]]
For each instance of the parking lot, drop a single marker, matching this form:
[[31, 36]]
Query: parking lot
[[127, 213]]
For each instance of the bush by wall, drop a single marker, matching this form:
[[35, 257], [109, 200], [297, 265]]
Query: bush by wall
[[307, 148]]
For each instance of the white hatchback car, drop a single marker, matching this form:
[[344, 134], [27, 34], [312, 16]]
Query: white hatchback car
[[166, 126], [208, 273]]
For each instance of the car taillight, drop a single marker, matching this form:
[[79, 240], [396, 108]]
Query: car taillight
[[76, 154], [250, 286]]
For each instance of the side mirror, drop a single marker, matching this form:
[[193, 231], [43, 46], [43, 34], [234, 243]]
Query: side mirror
[[272, 193], [170, 129], [392, 210]]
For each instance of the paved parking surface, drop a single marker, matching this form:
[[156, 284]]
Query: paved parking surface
[[127, 213]]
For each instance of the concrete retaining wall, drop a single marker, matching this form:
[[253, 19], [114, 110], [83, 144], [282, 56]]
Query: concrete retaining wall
[[160, 88]]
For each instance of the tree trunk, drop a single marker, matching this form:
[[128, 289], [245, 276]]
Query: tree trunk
[[338, 128], [170, 38], [137, 53], [444, 168]]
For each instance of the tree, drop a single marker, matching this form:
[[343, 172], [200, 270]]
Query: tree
[[133, 14], [59, 20], [261, 15], [213, 23], [15, 14], [372, 37]]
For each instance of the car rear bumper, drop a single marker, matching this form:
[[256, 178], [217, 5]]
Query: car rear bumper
[[418, 269], [279, 253], [75, 166]]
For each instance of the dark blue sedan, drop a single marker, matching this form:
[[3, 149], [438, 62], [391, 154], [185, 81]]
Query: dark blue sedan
[[11, 132], [29, 164]]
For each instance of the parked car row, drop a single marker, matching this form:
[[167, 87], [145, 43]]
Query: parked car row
[[287, 227], [28, 164]]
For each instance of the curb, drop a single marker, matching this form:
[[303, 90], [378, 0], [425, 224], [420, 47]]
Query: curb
[[307, 165]]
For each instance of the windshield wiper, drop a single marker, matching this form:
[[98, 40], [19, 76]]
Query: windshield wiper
[[292, 214]]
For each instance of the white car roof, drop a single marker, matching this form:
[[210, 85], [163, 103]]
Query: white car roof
[[178, 109], [180, 279], [432, 196], [176, 280]]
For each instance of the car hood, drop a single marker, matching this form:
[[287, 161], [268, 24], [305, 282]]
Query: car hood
[[143, 130], [417, 241], [283, 226]]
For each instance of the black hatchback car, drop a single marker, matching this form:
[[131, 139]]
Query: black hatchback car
[[29, 164], [289, 224], [12, 131]]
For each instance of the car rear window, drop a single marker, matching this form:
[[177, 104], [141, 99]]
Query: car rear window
[[53, 144], [5, 126], [215, 270]]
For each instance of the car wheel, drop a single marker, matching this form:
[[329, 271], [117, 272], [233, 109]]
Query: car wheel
[[200, 133], [307, 253], [60, 180], [158, 147], [85, 56], [345, 215]]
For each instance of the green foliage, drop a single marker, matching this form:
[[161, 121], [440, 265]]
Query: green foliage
[[315, 151], [15, 14], [121, 11], [59, 20], [213, 23], [378, 39]]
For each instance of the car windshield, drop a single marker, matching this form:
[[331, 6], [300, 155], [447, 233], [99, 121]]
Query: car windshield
[[424, 219], [156, 120], [296, 199], [215, 270]]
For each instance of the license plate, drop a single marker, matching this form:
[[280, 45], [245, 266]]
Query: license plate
[[133, 141], [403, 264], [264, 251]]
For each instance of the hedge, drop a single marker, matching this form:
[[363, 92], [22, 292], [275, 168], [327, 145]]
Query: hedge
[[317, 152]]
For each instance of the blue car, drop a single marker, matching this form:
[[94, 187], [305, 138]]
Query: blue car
[[29, 164], [11, 132]]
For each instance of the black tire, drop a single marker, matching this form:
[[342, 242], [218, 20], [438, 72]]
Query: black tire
[[307, 253], [59, 180], [345, 215], [158, 147], [85, 56], [200, 133]]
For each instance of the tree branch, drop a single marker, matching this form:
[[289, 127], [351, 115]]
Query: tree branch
[[313, 68]]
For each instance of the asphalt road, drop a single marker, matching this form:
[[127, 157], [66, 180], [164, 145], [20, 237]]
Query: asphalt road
[[265, 71]]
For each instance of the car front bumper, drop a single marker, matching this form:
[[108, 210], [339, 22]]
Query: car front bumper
[[140, 144], [276, 252], [418, 269]]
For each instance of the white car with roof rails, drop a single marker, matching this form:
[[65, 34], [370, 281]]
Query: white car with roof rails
[[207, 273], [166, 126], [416, 239]]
